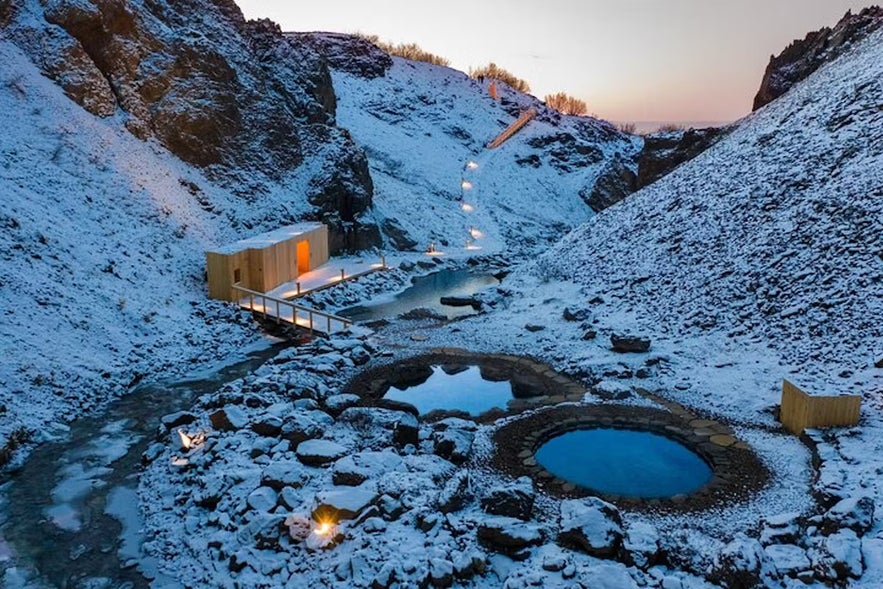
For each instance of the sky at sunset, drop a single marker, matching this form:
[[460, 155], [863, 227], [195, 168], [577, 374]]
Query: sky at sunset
[[630, 60]]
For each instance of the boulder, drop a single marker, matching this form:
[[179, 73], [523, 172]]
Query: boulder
[[629, 343], [612, 390], [382, 427], [230, 418], [788, 559], [357, 468], [269, 426], [855, 513], [514, 500], [441, 572], [839, 557], [300, 427], [591, 525], [177, 419], [509, 535], [739, 565], [336, 404], [781, 529], [456, 493], [453, 301], [263, 499], [576, 314], [453, 444], [534, 328], [344, 503], [641, 546], [286, 473], [319, 452]]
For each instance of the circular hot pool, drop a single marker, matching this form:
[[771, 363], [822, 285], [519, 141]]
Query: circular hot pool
[[624, 462]]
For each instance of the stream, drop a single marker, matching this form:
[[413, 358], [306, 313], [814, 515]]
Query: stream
[[69, 516], [425, 292]]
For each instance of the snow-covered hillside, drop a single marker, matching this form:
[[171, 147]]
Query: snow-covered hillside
[[102, 258], [422, 124], [773, 236]]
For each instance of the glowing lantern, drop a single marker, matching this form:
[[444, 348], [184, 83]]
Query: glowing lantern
[[466, 185], [472, 165], [467, 207]]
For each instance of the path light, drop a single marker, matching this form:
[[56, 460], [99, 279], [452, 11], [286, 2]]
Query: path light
[[471, 165], [475, 233], [467, 207], [466, 185]]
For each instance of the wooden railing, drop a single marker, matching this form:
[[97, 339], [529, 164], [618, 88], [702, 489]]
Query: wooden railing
[[289, 312], [512, 129]]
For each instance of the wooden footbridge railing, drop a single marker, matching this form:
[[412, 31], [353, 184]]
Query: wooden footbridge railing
[[514, 128], [288, 312]]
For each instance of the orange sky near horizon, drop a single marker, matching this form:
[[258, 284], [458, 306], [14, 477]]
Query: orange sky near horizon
[[630, 60]]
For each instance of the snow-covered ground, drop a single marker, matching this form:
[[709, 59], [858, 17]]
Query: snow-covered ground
[[757, 261]]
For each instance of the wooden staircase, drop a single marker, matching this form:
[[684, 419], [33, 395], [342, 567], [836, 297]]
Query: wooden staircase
[[514, 128]]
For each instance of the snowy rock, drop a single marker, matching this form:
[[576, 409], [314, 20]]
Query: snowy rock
[[269, 426], [177, 419], [300, 427], [286, 473], [855, 513], [441, 572], [879, 362], [382, 427], [576, 314], [229, 419], [641, 545], [509, 535], [453, 444], [319, 452], [534, 328], [788, 559], [335, 404], [629, 343], [514, 499], [343, 504], [591, 525], [299, 527], [355, 469], [262, 499], [781, 529], [456, 493], [739, 565], [612, 390], [839, 556]]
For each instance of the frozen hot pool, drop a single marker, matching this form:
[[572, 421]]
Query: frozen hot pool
[[460, 388], [628, 463]]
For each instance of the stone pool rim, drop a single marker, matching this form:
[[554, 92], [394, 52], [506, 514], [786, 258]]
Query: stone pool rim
[[736, 472], [372, 384]]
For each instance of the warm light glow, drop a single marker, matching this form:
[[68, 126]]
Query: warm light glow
[[324, 528], [466, 185], [472, 165], [475, 233], [435, 253], [467, 207]]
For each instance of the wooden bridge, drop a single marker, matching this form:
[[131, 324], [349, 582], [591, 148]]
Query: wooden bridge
[[284, 311], [512, 129]]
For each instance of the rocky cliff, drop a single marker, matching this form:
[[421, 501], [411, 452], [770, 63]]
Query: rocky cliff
[[663, 152], [233, 97], [803, 57]]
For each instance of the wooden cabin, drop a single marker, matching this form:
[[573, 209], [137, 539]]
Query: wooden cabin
[[265, 261]]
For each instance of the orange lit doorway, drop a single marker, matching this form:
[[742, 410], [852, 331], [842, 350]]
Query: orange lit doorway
[[303, 256]]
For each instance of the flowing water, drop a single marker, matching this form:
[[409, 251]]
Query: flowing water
[[425, 292], [70, 516]]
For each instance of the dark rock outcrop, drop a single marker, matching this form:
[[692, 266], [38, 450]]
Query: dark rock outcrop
[[802, 57], [616, 181], [347, 53], [663, 152], [235, 97]]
